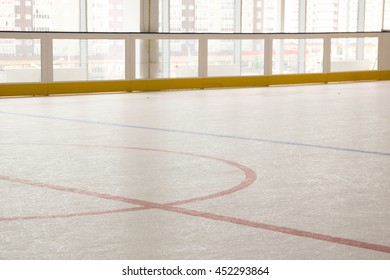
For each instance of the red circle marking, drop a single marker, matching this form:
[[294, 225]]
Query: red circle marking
[[250, 178]]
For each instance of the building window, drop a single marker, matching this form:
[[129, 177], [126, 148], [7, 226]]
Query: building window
[[206, 16]]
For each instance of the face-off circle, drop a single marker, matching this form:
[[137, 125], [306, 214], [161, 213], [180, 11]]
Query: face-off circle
[[249, 179]]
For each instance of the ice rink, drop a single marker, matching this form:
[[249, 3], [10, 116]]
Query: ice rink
[[292, 172]]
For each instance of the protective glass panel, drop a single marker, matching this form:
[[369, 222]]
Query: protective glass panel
[[235, 57], [20, 60], [82, 60], [166, 58], [354, 54], [293, 56]]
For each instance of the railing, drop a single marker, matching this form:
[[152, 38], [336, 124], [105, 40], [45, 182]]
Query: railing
[[43, 58]]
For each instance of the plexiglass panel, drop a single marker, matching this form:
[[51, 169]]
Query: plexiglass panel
[[293, 56], [354, 54], [371, 52], [20, 60], [81, 60], [235, 57], [166, 58]]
